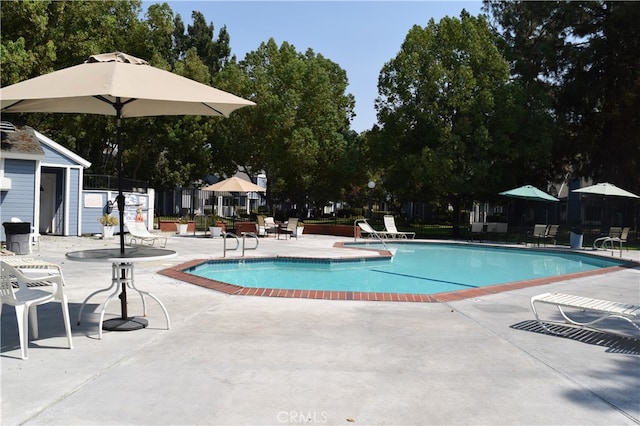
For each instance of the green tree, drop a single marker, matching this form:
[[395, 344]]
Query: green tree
[[296, 133], [25, 49], [583, 57], [437, 108], [214, 53], [160, 30], [43, 36]]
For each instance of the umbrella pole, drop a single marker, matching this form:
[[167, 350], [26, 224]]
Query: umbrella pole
[[124, 323], [120, 179], [123, 276]]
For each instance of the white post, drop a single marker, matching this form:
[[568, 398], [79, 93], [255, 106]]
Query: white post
[[151, 202]]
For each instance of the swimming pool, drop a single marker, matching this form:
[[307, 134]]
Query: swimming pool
[[416, 268]]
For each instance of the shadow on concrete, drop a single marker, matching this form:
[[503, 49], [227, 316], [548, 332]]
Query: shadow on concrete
[[50, 325], [615, 343]]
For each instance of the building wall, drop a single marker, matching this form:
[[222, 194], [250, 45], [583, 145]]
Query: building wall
[[94, 205], [73, 221], [22, 168], [19, 200], [52, 156]]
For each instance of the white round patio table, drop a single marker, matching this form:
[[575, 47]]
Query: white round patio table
[[121, 279]]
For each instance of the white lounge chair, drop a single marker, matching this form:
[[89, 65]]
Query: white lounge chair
[[392, 231], [367, 231], [606, 309], [139, 235]]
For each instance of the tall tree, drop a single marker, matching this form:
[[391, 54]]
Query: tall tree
[[297, 130], [436, 109], [583, 56], [57, 34], [200, 35], [43, 36]]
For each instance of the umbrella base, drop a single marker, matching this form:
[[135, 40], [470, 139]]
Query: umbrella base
[[128, 324]]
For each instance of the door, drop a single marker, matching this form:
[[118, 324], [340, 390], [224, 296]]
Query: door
[[47, 203]]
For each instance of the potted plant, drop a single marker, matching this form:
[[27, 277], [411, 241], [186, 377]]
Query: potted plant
[[217, 226], [108, 225], [182, 225], [299, 229]]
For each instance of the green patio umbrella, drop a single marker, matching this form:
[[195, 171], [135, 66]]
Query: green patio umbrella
[[605, 190], [529, 192]]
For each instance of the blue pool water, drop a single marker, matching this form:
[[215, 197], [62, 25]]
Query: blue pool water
[[422, 268]]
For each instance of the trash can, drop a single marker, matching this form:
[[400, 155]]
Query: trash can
[[18, 235], [575, 240]]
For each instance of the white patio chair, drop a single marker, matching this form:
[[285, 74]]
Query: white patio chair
[[290, 229], [552, 233], [622, 238], [26, 292], [266, 226], [539, 232], [270, 225], [477, 228]]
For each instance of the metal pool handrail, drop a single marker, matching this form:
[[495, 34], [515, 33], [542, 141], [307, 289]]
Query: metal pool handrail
[[226, 235], [375, 233]]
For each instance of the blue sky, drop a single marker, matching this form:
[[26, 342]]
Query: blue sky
[[360, 36]]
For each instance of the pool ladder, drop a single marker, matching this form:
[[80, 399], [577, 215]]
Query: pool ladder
[[226, 235]]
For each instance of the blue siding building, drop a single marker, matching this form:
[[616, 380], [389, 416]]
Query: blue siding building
[[40, 182]]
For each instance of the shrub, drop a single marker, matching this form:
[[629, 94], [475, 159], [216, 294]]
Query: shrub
[[108, 220]]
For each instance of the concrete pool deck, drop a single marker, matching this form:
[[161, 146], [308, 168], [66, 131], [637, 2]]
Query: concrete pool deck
[[240, 360]]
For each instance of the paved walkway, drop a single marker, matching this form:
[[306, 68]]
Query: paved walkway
[[242, 360]]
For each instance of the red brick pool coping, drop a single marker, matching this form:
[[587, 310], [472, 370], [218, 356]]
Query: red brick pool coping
[[232, 289]]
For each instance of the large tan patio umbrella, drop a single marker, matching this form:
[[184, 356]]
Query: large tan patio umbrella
[[123, 86], [234, 184]]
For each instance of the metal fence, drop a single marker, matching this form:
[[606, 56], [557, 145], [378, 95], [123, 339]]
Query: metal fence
[[107, 182], [194, 201], [417, 218]]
